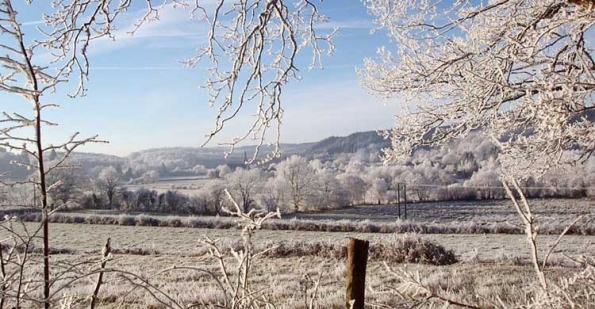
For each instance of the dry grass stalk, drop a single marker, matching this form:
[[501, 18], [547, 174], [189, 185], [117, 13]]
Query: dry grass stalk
[[105, 254], [412, 288]]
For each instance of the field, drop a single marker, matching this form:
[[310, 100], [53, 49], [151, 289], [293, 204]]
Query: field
[[490, 267], [185, 185], [479, 217], [546, 210], [85, 238]]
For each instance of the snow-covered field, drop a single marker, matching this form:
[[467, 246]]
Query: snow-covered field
[[491, 211], [489, 265], [186, 185]]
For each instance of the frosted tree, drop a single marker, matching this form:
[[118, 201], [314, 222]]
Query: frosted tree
[[37, 61], [356, 187], [494, 65], [485, 180], [108, 182], [273, 195], [298, 177], [521, 71], [214, 195], [391, 175], [244, 183], [328, 191], [68, 185], [378, 189], [253, 47], [151, 176], [223, 170]]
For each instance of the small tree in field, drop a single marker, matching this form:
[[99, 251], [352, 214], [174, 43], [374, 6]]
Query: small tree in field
[[108, 182], [356, 187], [213, 193], [244, 184], [328, 191], [298, 177], [68, 185]]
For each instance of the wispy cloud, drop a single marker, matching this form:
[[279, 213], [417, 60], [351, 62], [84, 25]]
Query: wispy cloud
[[173, 23], [348, 24], [138, 68], [33, 23], [340, 66]]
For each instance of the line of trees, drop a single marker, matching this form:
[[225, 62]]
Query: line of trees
[[299, 184], [466, 169]]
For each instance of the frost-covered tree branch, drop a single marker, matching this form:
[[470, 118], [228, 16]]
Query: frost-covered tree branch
[[252, 48], [33, 63], [518, 72], [522, 71]]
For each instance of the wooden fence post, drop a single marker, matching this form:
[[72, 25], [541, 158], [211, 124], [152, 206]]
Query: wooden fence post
[[357, 258]]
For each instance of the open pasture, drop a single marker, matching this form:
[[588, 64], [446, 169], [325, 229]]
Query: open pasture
[[489, 211], [87, 239], [186, 185], [489, 265], [479, 217]]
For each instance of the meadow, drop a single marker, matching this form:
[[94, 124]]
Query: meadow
[[487, 211], [489, 265], [450, 217], [490, 268], [186, 185]]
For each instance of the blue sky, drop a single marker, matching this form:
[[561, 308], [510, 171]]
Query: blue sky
[[140, 96]]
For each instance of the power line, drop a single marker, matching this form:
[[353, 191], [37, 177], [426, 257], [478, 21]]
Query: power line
[[453, 186]]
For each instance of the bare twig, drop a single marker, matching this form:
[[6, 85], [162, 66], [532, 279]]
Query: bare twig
[[555, 244], [105, 253]]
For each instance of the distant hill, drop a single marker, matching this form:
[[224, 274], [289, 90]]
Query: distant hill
[[209, 157], [183, 159], [348, 144]]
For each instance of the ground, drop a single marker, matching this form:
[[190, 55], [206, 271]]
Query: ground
[[490, 265], [491, 211]]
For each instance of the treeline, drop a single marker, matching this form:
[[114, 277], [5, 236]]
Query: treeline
[[145, 200], [462, 170], [297, 184]]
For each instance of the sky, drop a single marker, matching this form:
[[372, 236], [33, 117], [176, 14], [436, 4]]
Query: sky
[[140, 95]]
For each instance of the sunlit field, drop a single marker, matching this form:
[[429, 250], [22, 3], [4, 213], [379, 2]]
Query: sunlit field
[[489, 266]]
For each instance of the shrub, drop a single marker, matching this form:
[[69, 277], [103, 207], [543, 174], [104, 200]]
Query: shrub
[[144, 220], [409, 248], [59, 218], [93, 219], [109, 220], [404, 249], [192, 222], [172, 222], [37, 250], [365, 226], [135, 251], [126, 220], [78, 219]]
